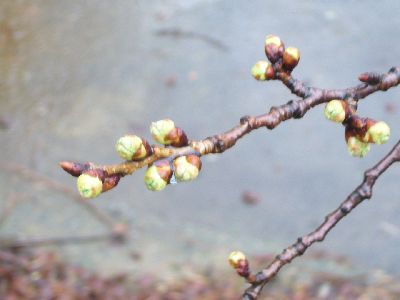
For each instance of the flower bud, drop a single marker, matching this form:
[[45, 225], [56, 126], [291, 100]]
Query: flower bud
[[177, 138], [158, 175], [356, 147], [335, 110], [371, 78], [165, 132], [291, 58], [262, 70], [235, 257], [74, 168], [90, 183], [132, 147], [378, 133], [274, 48], [187, 167]]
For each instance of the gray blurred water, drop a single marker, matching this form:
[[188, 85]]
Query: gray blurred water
[[76, 75]]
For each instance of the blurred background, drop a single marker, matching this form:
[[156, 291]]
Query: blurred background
[[76, 75]]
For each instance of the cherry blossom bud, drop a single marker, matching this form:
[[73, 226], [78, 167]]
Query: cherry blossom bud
[[75, 169], [90, 183], [262, 70], [235, 257], [291, 58], [165, 132], [335, 110], [378, 133], [187, 168], [132, 147], [356, 147], [158, 175], [274, 48]]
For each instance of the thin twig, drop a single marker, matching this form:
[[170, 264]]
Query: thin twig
[[362, 192]]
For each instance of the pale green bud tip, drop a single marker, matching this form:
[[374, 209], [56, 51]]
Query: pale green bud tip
[[153, 180], [334, 111], [356, 147], [184, 170], [258, 71], [273, 40], [160, 129], [89, 186], [379, 132], [127, 146], [235, 257]]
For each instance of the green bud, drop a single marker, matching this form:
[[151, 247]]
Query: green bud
[[187, 167], [379, 133], [356, 147], [262, 70], [89, 186], [291, 58], [274, 48], [161, 129], [158, 175], [132, 147], [235, 257], [335, 111]]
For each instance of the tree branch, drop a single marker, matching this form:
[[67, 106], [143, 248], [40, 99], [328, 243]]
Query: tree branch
[[362, 192], [163, 161], [293, 109]]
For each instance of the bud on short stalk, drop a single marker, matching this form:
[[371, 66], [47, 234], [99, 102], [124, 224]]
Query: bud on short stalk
[[355, 146], [240, 263], [187, 168], [263, 70], [274, 48], [132, 147], [378, 133], [90, 183], [291, 58], [235, 257], [158, 175], [165, 132], [335, 110]]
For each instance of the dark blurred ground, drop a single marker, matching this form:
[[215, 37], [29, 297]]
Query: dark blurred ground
[[46, 276], [76, 75]]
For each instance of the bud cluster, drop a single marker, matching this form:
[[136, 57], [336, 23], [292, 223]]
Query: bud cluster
[[92, 181], [359, 132], [281, 59], [184, 168]]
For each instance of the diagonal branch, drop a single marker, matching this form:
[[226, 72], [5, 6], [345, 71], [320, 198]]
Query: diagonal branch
[[294, 109], [362, 192]]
